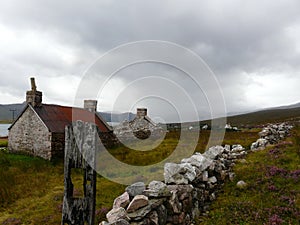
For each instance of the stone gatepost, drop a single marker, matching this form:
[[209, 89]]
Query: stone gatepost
[[80, 151]]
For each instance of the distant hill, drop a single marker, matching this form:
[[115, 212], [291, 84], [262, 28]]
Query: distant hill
[[116, 117], [251, 118], [288, 106], [271, 115], [265, 116], [6, 114]]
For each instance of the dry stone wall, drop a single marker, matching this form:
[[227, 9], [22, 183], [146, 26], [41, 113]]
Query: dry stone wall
[[188, 188], [271, 134]]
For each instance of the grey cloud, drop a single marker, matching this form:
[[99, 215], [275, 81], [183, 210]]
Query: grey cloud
[[233, 37]]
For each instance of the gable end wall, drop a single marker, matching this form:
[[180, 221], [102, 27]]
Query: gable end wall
[[30, 135]]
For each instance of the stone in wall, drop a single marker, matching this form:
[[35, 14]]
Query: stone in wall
[[139, 201], [179, 173], [116, 214], [122, 201], [136, 189], [157, 189]]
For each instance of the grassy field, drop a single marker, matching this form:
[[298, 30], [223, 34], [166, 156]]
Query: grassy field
[[31, 189]]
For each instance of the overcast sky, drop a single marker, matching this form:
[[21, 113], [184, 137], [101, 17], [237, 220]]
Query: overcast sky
[[252, 47]]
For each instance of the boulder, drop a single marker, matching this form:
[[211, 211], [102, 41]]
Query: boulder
[[116, 214], [205, 176], [136, 189], [162, 214], [213, 152], [241, 184], [237, 148], [153, 216], [174, 205], [212, 180], [157, 189], [142, 212], [179, 173], [183, 191], [121, 201], [260, 143], [118, 222], [139, 201], [199, 161], [227, 148], [231, 176]]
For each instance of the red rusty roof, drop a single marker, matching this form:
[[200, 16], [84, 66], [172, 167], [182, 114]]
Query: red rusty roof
[[56, 117]]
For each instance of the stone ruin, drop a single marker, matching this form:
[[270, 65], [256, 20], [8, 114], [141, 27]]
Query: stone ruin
[[188, 188], [141, 127]]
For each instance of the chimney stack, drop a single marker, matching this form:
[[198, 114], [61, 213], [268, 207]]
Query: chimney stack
[[141, 112], [34, 97], [90, 105]]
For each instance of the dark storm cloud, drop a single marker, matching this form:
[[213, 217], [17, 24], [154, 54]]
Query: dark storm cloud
[[240, 40]]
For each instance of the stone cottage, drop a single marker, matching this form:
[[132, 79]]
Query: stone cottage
[[40, 128], [141, 127]]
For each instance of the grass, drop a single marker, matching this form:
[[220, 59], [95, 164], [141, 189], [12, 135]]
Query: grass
[[127, 155], [3, 143], [31, 189], [28, 185], [273, 192], [5, 121]]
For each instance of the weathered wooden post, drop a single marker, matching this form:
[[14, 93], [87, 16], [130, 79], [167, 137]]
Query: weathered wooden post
[[80, 151]]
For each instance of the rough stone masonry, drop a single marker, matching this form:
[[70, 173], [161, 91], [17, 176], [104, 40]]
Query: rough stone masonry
[[188, 188]]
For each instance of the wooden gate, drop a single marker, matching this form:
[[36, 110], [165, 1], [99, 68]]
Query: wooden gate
[[80, 152]]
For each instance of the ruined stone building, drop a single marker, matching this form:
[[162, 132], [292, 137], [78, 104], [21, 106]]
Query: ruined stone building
[[40, 128], [141, 126]]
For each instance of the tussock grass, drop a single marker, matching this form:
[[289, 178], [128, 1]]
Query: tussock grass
[[31, 190]]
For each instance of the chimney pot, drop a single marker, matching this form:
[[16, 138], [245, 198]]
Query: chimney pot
[[34, 97], [141, 112], [90, 105]]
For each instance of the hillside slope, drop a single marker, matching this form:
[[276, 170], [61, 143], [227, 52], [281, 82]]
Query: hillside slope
[[6, 114], [265, 116]]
